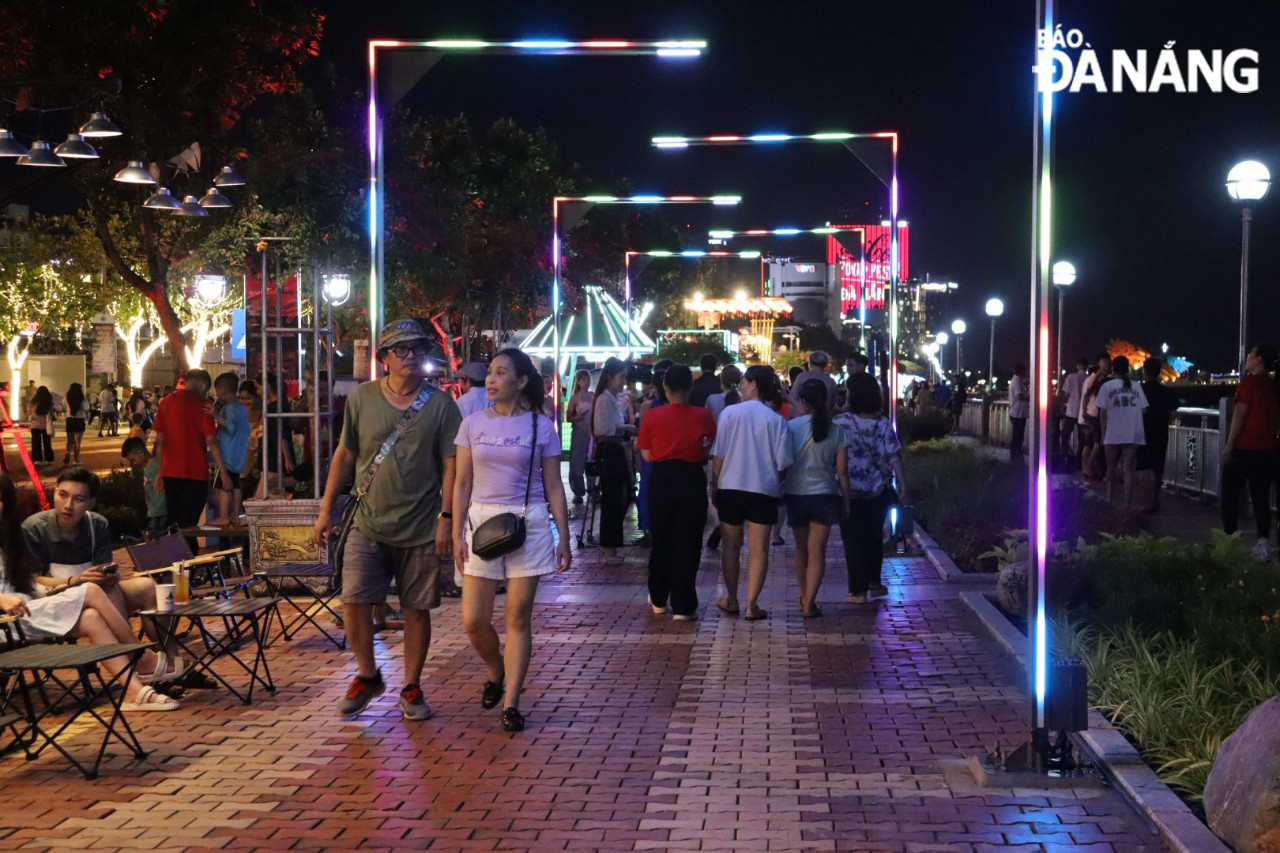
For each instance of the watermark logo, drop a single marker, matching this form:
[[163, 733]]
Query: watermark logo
[[1067, 62]]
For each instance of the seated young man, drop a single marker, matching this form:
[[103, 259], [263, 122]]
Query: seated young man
[[70, 545]]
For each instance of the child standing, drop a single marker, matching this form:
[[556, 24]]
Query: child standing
[[232, 419], [136, 454]]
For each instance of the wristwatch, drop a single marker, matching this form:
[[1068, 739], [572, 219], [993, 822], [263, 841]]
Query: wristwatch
[[445, 514]]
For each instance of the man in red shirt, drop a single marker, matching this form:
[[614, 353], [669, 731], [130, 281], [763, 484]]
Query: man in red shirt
[[184, 430], [1251, 444], [676, 439]]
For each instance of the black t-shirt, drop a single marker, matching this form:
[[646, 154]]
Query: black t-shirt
[[703, 387], [1161, 404]]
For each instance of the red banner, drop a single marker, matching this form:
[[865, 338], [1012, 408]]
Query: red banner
[[286, 297], [878, 266]]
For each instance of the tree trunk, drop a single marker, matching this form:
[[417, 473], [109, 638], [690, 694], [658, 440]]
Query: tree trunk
[[158, 293]]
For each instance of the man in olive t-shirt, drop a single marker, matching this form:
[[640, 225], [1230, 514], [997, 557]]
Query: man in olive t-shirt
[[403, 525]]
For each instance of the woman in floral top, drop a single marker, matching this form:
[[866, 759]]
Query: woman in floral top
[[875, 456]]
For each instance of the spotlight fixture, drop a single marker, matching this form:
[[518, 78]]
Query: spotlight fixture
[[191, 207], [40, 155], [214, 199], [10, 147], [229, 177], [99, 126], [162, 199], [135, 173], [76, 148]]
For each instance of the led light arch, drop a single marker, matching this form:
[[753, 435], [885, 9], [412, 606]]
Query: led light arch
[[437, 48]]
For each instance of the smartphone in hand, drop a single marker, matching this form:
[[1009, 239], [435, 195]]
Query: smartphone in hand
[[111, 569]]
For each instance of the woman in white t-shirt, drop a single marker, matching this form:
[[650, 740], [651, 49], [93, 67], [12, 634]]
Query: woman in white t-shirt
[[610, 431], [751, 454], [501, 468], [1121, 402]]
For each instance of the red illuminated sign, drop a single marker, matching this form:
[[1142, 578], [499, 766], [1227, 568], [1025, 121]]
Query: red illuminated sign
[[850, 266]]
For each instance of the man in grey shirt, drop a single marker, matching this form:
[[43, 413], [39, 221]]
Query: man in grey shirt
[[404, 523], [817, 370]]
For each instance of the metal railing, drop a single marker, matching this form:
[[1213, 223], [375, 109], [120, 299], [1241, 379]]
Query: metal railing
[[999, 430], [1193, 462]]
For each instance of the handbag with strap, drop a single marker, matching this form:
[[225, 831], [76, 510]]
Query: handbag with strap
[[505, 532], [349, 511]]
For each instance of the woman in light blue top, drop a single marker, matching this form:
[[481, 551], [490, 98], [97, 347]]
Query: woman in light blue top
[[816, 489]]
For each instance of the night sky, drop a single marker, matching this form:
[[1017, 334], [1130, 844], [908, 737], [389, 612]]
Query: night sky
[[1140, 203]]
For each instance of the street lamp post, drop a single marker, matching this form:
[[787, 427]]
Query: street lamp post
[[1064, 275], [994, 309], [1247, 182], [942, 338], [958, 328]]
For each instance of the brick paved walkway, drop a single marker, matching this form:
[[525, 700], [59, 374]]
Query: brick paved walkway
[[838, 733]]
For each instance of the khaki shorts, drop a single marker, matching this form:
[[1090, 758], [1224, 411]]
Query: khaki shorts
[[369, 566]]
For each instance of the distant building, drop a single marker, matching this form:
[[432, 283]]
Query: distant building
[[808, 286]]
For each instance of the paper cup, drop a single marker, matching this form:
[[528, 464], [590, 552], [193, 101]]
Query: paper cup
[[164, 597]]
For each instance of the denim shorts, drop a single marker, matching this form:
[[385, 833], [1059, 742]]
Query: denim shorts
[[369, 566], [803, 510]]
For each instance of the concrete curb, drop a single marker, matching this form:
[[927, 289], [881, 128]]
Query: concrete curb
[[1105, 744], [944, 566]]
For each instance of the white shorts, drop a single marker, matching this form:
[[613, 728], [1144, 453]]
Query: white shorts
[[537, 556]]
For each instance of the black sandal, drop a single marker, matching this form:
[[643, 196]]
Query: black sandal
[[512, 720], [491, 695]]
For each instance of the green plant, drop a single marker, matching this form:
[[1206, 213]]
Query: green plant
[[922, 426], [122, 502], [1174, 697]]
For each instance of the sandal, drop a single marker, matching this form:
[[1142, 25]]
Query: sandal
[[812, 612], [491, 694], [149, 700], [756, 614], [160, 673], [512, 720], [723, 606]]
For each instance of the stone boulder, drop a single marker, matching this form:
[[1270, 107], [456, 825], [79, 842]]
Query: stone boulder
[[1242, 796], [1011, 588]]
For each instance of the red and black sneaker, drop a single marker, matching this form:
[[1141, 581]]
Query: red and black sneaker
[[413, 705], [360, 694]]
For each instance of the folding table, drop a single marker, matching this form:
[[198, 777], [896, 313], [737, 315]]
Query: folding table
[[243, 618]]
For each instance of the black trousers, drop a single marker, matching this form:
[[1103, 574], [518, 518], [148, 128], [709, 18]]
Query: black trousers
[[41, 445], [862, 534], [1017, 431], [1257, 468], [615, 491], [677, 514], [186, 499]]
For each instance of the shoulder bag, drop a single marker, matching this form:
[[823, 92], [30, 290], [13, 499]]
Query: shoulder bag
[[339, 541], [505, 532]]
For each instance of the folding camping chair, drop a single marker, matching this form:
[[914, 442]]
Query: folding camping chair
[[321, 600], [163, 555]]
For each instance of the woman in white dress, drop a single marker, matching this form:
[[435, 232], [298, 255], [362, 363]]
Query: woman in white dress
[[77, 610]]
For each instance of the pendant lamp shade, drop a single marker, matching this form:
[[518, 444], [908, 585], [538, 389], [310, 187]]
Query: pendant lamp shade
[[135, 173], [40, 155], [10, 147], [162, 199], [76, 148], [229, 177], [99, 125], [191, 207], [214, 199]]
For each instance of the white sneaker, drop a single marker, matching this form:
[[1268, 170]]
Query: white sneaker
[[1261, 550], [684, 617], [657, 611]]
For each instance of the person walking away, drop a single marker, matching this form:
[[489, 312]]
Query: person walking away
[[184, 431], [40, 416], [676, 440], [609, 431], [403, 524], [817, 369], [1161, 405], [1094, 464], [730, 376], [471, 378], [232, 420], [706, 384], [134, 451], [751, 454], [1248, 456], [874, 459], [1019, 411], [957, 401], [1073, 387], [508, 462], [77, 417], [579, 416], [816, 489], [655, 399], [1121, 403], [108, 411]]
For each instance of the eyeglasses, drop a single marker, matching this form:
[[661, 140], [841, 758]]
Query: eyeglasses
[[405, 350]]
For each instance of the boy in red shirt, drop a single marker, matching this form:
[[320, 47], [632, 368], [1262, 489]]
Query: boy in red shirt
[[184, 431]]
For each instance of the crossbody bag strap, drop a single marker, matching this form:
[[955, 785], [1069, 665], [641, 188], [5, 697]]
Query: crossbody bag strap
[[533, 452], [410, 414]]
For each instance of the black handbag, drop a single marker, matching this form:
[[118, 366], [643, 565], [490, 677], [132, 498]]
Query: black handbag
[[505, 532]]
